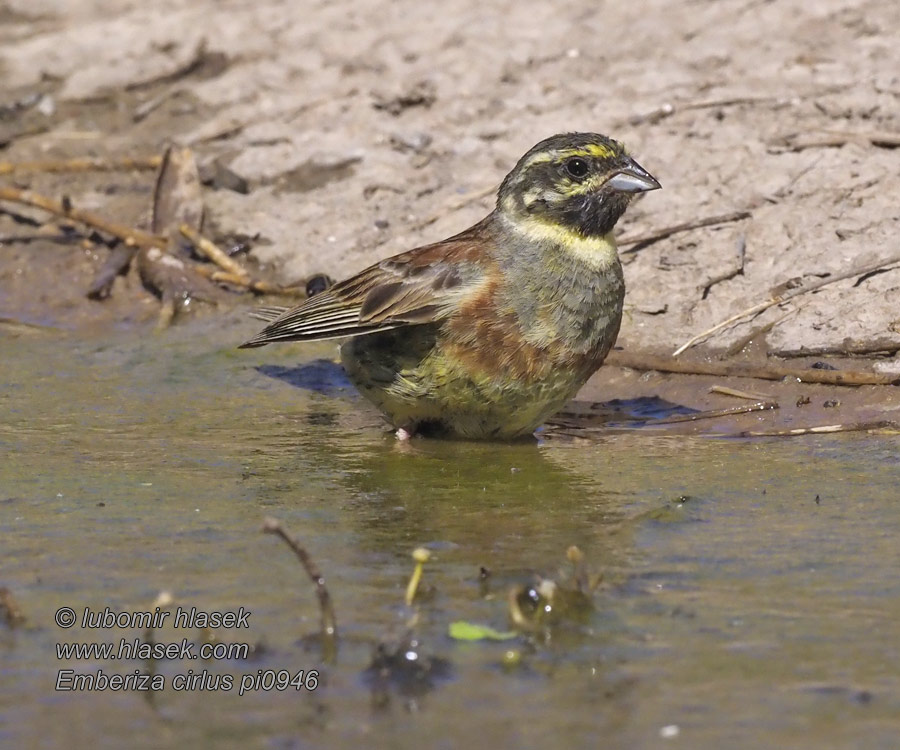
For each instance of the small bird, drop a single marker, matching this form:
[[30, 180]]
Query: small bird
[[486, 334]]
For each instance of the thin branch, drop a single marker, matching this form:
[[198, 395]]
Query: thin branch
[[147, 107], [784, 297], [213, 252], [715, 413], [726, 391], [329, 622], [64, 208], [668, 109], [637, 423], [750, 311], [80, 165], [852, 349], [640, 241], [831, 139], [728, 102], [642, 361], [137, 238], [853, 427], [744, 341], [254, 285]]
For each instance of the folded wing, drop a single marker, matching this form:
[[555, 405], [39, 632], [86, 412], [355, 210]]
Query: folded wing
[[420, 286]]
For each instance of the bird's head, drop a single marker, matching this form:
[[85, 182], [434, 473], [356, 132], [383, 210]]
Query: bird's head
[[578, 182]]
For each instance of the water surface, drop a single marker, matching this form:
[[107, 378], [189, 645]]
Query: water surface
[[760, 611]]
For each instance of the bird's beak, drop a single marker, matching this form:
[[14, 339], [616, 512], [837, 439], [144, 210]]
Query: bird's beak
[[632, 178]]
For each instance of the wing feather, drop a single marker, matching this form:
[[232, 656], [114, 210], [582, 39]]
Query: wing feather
[[268, 313], [419, 286]]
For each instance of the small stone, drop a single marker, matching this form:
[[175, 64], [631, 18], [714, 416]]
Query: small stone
[[416, 142], [46, 106]]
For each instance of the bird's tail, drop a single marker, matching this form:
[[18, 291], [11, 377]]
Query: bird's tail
[[268, 314]]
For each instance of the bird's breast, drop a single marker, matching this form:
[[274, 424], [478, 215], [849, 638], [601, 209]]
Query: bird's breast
[[536, 326]]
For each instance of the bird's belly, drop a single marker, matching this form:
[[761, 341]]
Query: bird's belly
[[420, 376]]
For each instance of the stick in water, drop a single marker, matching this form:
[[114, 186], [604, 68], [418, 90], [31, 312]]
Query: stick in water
[[329, 622]]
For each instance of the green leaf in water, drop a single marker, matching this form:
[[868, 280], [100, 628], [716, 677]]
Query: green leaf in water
[[469, 631]]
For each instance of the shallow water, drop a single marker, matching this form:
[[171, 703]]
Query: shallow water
[[749, 615]]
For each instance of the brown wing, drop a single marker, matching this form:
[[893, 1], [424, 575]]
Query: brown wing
[[419, 286]]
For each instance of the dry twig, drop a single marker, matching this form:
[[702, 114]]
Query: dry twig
[[848, 349], [777, 299], [853, 427], [213, 252], [832, 139], [726, 391], [668, 109], [584, 423], [329, 622], [245, 282], [715, 413], [65, 209], [80, 165], [640, 241], [759, 331], [642, 361], [133, 238]]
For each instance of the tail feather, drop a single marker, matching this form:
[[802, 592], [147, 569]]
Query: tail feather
[[268, 313]]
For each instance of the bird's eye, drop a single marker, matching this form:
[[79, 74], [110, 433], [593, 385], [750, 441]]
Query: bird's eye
[[576, 167]]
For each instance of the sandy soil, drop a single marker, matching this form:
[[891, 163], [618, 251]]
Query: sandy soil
[[366, 128]]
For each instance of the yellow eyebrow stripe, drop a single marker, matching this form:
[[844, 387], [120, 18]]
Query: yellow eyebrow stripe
[[592, 150]]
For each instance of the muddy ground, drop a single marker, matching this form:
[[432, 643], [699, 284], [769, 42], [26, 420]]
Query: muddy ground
[[363, 129]]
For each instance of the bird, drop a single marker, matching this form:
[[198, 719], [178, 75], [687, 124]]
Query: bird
[[486, 334]]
